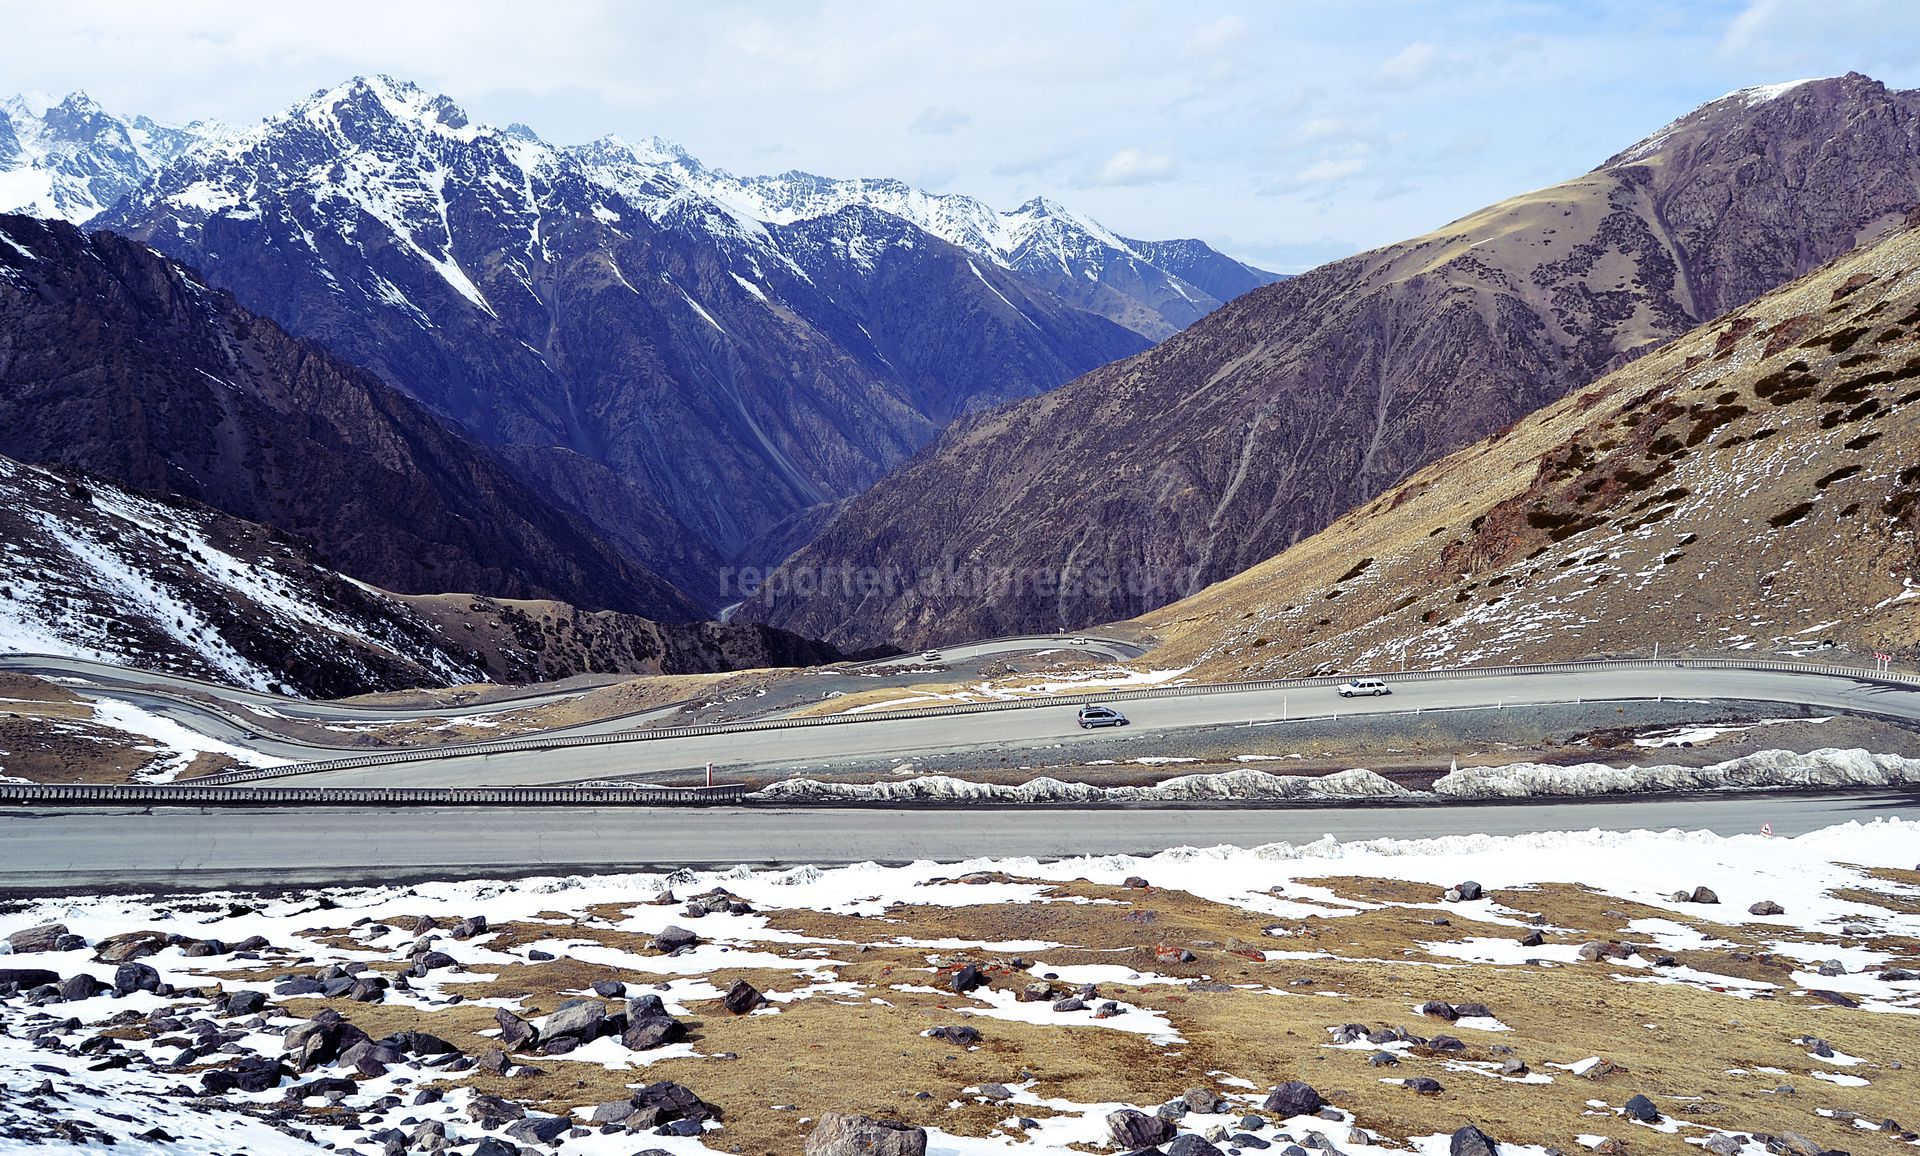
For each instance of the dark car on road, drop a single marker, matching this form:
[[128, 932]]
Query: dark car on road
[[1101, 716]]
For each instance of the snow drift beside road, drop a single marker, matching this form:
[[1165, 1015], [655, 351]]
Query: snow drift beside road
[[1232, 786], [1774, 769], [1827, 767]]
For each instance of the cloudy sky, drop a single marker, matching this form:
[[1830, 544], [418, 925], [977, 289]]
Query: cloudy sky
[[1284, 133]]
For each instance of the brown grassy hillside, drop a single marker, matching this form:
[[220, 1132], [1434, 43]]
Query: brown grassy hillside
[[1753, 486]]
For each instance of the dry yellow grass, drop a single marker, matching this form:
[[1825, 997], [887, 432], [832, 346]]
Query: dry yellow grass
[[1696, 1051]]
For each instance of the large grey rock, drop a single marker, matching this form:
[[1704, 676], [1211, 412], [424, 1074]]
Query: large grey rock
[[673, 939], [27, 977], [1704, 895], [1642, 1109], [579, 1019], [538, 1129], [742, 998], [1132, 1129], [652, 1032], [131, 977], [1188, 1144], [1204, 1100], [516, 1034], [1294, 1098], [843, 1133], [128, 946], [41, 938], [1766, 907], [1471, 1141]]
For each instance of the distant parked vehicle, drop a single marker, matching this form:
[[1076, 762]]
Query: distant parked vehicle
[[1079, 642], [930, 656], [1101, 716], [1368, 686]]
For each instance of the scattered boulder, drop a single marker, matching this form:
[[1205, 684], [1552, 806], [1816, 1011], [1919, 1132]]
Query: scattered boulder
[[538, 1129], [577, 1019], [610, 989], [1424, 1085], [672, 939], [45, 937], [1134, 883], [1204, 1100], [516, 1034], [1703, 895], [967, 978], [81, 986], [130, 945], [1293, 1098], [469, 927], [1471, 1141], [1724, 1144], [1383, 1059], [132, 977], [1439, 1009], [1132, 1129], [1532, 939], [742, 998], [495, 1146], [652, 1032], [1642, 1109], [1472, 1011], [24, 978], [1187, 1144], [1766, 907], [494, 1062], [642, 1007], [847, 1134], [1470, 890], [961, 1034]]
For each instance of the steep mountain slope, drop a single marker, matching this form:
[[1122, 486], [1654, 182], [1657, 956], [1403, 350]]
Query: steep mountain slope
[[630, 331], [1751, 486], [90, 570], [71, 159], [1150, 478], [118, 362]]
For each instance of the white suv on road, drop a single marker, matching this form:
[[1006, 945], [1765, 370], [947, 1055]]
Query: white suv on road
[[1364, 686]]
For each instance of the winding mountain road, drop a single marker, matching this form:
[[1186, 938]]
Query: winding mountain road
[[1050, 728]]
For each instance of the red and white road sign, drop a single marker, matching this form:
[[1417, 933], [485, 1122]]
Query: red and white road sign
[[1766, 828], [1880, 656]]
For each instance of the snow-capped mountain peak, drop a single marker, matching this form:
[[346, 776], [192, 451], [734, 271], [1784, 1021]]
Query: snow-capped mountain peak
[[70, 158]]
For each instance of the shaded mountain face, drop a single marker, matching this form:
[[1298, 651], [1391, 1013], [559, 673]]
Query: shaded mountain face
[[91, 570], [1148, 479], [1750, 487], [71, 159], [121, 363], [631, 330]]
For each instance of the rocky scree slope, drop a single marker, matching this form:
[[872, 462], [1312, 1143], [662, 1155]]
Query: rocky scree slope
[[118, 362], [1750, 487], [1149, 478], [641, 335]]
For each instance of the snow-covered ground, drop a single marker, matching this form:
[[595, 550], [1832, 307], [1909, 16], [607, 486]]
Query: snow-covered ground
[[1805, 875]]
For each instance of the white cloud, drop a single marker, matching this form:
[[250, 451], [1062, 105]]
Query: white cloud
[[1411, 65], [939, 121], [1133, 167]]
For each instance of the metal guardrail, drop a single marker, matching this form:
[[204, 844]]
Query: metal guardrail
[[186, 795], [514, 746]]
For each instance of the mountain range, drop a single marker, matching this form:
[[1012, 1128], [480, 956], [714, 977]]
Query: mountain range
[[1151, 477], [702, 366]]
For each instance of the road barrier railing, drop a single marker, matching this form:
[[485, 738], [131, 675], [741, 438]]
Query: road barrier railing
[[536, 743], [180, 795]]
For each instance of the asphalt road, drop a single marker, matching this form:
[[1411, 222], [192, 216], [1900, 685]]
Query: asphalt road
[[42, 852], [1155, 725], [186, 700]]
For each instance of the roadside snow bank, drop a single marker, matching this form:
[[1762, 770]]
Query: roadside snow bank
[[1827, 767], [1230, 786]]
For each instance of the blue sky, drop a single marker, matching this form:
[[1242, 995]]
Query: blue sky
[[1284, 133]]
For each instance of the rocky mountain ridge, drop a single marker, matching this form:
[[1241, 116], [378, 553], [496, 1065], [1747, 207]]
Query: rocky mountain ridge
[[1150, 478], [1749, 488]]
